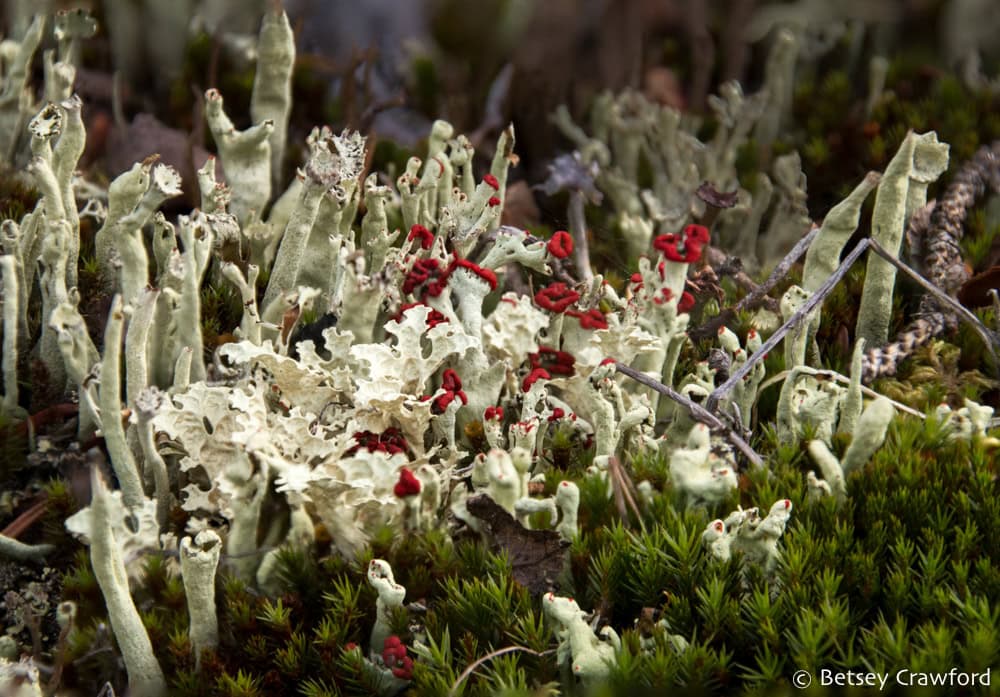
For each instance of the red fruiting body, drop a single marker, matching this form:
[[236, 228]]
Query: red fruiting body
[[494, 201], [450, 381], [390, 441], [560, 245], [493, 414], [428, 273], [666, 295], [557, 414], [556, 362], [408, 485], [452, 384], [556, 297], [490, 180], [669, 249], [667, 245], [419, 232], [442, 402], [404, 669], [434, 318], [591, 319], [697, 234], [533, 377], [608, 361], [686, 303], [484, 274], [424, 270], [636, 277], [695, 237], [395, 658]]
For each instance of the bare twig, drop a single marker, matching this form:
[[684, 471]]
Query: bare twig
[[55, 413], [25, 520], [933, 235], [725, 265], [843, 379], [989, 338], [814, 300], [697, 412], [624, 491], [470, 669], [578, 229], [758, 296]]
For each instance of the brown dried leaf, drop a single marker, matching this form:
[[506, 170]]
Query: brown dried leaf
[[537, 557], [713, 197], [975, 291]]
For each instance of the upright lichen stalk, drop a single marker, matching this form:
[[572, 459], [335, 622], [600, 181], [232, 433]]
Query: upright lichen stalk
[[145, 677], [919, 161]]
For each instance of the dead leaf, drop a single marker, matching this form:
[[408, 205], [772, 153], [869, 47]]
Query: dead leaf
[[713, 197], [537, 557], [975, 291]]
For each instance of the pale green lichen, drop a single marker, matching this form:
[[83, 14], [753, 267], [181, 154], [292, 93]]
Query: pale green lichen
[[145, 677], [919, 161]]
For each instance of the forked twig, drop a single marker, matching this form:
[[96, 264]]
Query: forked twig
[[757, 297], [624, 491], [698, 412], [814, 300], [989, 338]]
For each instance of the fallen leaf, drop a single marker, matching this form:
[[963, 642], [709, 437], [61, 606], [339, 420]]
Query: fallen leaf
[[975, 291], [713, 197], [537, 557]]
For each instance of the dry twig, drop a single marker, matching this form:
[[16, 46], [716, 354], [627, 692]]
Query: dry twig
[[624, 492], [924, 328], [697, 412], [808, 306], [758, 296], [934, 233]]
